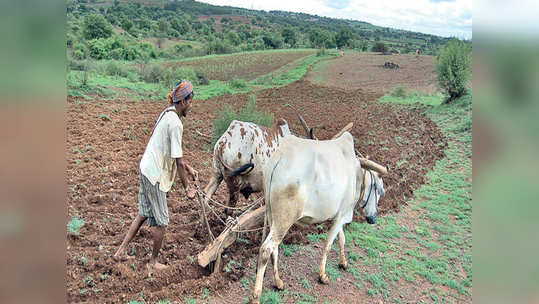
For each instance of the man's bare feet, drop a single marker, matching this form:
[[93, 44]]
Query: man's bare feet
[[191, 193], [122, 257]]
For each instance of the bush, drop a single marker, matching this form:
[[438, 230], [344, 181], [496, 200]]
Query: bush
[[201, 77], [75, 224], [95, 26], [154, 73], [399, 91], [379, 47], [176, 74], [114, 68], [454, 68], [237, 83], [249, 113]]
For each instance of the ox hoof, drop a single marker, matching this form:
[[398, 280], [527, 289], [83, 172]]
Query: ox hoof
[[279, 284], [324, 279], [254, 301], [343, 265]]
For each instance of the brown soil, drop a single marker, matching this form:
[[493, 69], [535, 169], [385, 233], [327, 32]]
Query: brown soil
[[102, 176], [366, 71]]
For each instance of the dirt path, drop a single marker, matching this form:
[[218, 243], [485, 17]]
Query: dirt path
[[107, 138]]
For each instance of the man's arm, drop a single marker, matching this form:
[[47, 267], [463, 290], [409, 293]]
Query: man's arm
[[183, 168]]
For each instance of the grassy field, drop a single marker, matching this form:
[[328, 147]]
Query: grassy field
[[107, 87], [422, 254]]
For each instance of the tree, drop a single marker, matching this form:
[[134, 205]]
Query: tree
[[322, 38], [95, 26], [289, 36], [126, 24], [233, 38], [454, 68], [344, 37], [364, 45], [379, 47], [163, 25]]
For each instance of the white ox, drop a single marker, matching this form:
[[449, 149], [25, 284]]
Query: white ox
[[239, 157], [312, 182]]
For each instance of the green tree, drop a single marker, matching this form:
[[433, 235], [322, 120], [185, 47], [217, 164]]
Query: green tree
[[233, 38], [180, 25], [289, 36], [454, 68], [344, 37], [322, 38], [163, 25], [379, 47], [95, 26], [126, 23]]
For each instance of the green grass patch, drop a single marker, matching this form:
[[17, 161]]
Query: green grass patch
[[75, 224]]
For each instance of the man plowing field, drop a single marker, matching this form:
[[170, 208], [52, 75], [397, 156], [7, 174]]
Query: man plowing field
[[162, 157]]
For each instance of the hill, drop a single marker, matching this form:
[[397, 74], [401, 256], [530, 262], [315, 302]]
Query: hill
[[149, 29]]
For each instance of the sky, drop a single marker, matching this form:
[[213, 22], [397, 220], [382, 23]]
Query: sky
[[446, 18]]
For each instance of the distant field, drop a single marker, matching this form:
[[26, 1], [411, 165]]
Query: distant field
[[365, 71], [243, 65]]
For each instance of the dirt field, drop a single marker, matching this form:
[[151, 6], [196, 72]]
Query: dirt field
[[106, 139], [366, 71]]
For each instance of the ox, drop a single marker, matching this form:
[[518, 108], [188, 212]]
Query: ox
[[311, 182], [239, 157]]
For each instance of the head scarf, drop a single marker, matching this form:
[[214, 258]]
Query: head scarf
[[182, 90]]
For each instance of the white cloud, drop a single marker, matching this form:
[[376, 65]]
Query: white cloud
[[438, 17]]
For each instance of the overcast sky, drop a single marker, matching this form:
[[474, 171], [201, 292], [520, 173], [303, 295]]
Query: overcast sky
[[447, 18]]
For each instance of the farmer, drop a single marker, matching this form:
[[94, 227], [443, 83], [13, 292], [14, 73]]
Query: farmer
[[157, 171]]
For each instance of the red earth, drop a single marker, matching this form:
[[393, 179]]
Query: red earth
[[106, 139]]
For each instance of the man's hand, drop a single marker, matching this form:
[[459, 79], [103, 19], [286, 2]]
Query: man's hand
[[192, 172]]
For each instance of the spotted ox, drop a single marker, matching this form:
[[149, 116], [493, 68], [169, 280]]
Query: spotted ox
[[311, 182], [239, 157]]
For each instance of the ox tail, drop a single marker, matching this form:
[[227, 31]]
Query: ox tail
[[245, 169]]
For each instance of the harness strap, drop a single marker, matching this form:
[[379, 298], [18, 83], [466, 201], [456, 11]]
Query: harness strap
[[161, 116], [373, 184]]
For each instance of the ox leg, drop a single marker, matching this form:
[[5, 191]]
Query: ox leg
[[233, 192], [263, 258], [337, 226], [210, 189], [343, 264]]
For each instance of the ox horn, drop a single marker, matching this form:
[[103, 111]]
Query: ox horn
[[308, 130]]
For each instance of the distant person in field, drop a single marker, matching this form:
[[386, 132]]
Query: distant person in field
[[162, 157]]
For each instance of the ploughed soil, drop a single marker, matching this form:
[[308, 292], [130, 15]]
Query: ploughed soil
[[106, 140], [358, 70]]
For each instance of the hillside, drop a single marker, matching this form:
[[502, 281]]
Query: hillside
[[150, 29]]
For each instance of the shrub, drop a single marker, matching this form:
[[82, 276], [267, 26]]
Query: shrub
[[321, 51], [176, 74], [75, 224], [154, 73], [114, 68], [201, 77], [249, 113], [237, 83], [454, 68], [95, 26], [379, 47], [399, 91]]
